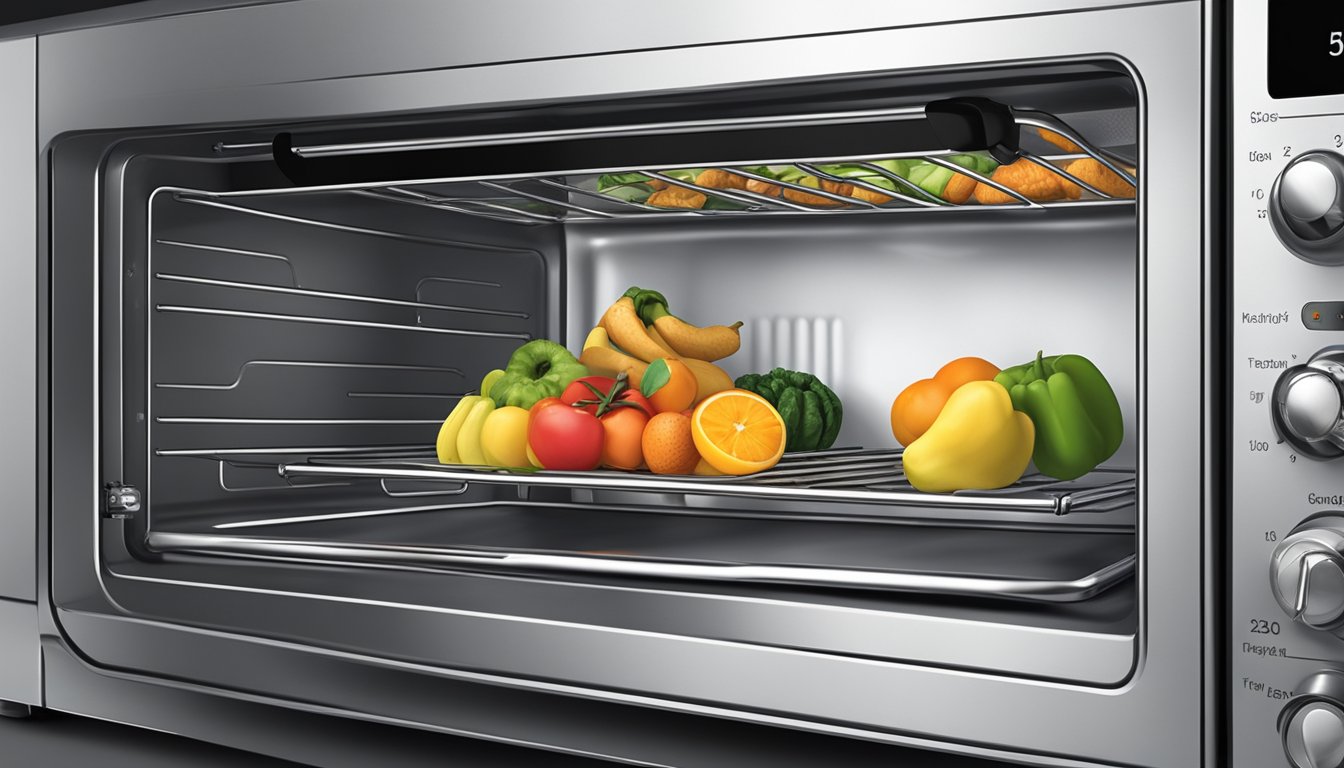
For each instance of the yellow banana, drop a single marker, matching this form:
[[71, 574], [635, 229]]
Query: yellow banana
[[469, 438], [446, 444], [597, 338], [627, 330], [606, 361], [710, 343], [709, 377]]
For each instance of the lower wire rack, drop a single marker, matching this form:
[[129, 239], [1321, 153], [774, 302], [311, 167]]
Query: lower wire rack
[[822, 547], [836, 476]]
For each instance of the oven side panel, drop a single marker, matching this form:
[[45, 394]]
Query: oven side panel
[[18, 316]]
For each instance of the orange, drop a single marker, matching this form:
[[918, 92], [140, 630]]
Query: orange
[[738, 432], [913, 411], [966, 369], [668, 446], [679, 391]]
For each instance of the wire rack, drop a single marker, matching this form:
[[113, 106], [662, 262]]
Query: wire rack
[[837, 476]]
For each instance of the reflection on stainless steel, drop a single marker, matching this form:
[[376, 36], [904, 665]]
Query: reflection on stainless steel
[[1081, 588]]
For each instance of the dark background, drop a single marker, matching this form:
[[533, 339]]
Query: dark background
[[28, 10]]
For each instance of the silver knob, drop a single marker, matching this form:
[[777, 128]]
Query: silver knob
[[1307, 207], [1308, 405], [1308, 190], [1307, 573], [1311, 726]]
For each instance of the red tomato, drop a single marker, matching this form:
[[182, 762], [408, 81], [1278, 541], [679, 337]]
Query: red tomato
[[634, 396], [565, 438], [544, 402], [576, 391], [623, 448]]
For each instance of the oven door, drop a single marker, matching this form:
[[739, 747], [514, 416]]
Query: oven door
[[396, 646]]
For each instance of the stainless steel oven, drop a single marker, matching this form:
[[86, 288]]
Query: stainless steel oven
[[277, 243]]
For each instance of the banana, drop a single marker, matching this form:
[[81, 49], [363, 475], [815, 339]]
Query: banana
[[603, 359], [627, 330], [709, 377], [489, 381], [469, 437], [710, 343], [597, 338], [446, 444]]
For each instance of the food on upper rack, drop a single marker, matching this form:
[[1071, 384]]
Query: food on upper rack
[[738, 432], [565, 438], [716, 178], [1091, 170], [469, 437], [763, 187], [540, 368], [812, 413], [1077, 417], [669, 448], [826, 185], [504, 437], [1059, 141], [708, 343], [678, 197], [977, 442], [1028, 179], [446, 443], [946, 183], [917, 406]]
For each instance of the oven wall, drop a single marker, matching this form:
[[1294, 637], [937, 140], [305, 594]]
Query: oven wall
[[871, 304]]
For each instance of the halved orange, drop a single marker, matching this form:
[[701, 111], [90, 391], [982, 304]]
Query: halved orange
[[738, 432]]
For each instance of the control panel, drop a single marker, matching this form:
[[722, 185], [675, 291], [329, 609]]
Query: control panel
[[1285, 512]]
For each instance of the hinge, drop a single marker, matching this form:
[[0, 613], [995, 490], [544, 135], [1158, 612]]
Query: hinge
[[120, 501]]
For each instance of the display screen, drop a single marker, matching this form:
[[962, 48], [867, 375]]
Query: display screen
[[1306, 48]]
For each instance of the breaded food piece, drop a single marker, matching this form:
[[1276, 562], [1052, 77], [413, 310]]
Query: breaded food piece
[[656, 184], [834, 187], [960, 188], [1030, 180], [715, 178], [677, 197], [763, 187], [1093, 172], [876, 198], [1059, 141]]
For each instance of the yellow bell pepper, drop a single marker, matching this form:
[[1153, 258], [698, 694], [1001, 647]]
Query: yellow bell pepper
[[977, 441]]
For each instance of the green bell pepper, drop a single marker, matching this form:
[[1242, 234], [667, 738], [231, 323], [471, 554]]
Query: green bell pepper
[[1077, 417]]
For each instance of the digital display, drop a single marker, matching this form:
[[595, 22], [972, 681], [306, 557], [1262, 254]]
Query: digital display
[[1306, 48]]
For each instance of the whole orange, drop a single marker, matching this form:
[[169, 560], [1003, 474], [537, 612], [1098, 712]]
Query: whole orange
[[679, 391], [669, 448], [966, 369], [624, 433], [914, 410]]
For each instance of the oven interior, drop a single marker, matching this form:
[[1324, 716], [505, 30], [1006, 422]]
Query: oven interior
[[288, 351]]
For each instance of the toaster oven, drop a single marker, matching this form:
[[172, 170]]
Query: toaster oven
[[277, 244]]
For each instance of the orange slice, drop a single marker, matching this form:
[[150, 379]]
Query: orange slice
[[738, 432]]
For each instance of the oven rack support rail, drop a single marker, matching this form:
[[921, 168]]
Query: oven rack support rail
[[835, 476]]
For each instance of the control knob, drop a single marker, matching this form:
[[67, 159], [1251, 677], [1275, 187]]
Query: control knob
[[1311, 726], [1307, 572], [1308, 405], [1306, 206]]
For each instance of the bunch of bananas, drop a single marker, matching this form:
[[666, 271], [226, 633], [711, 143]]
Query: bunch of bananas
[[638, 329]]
